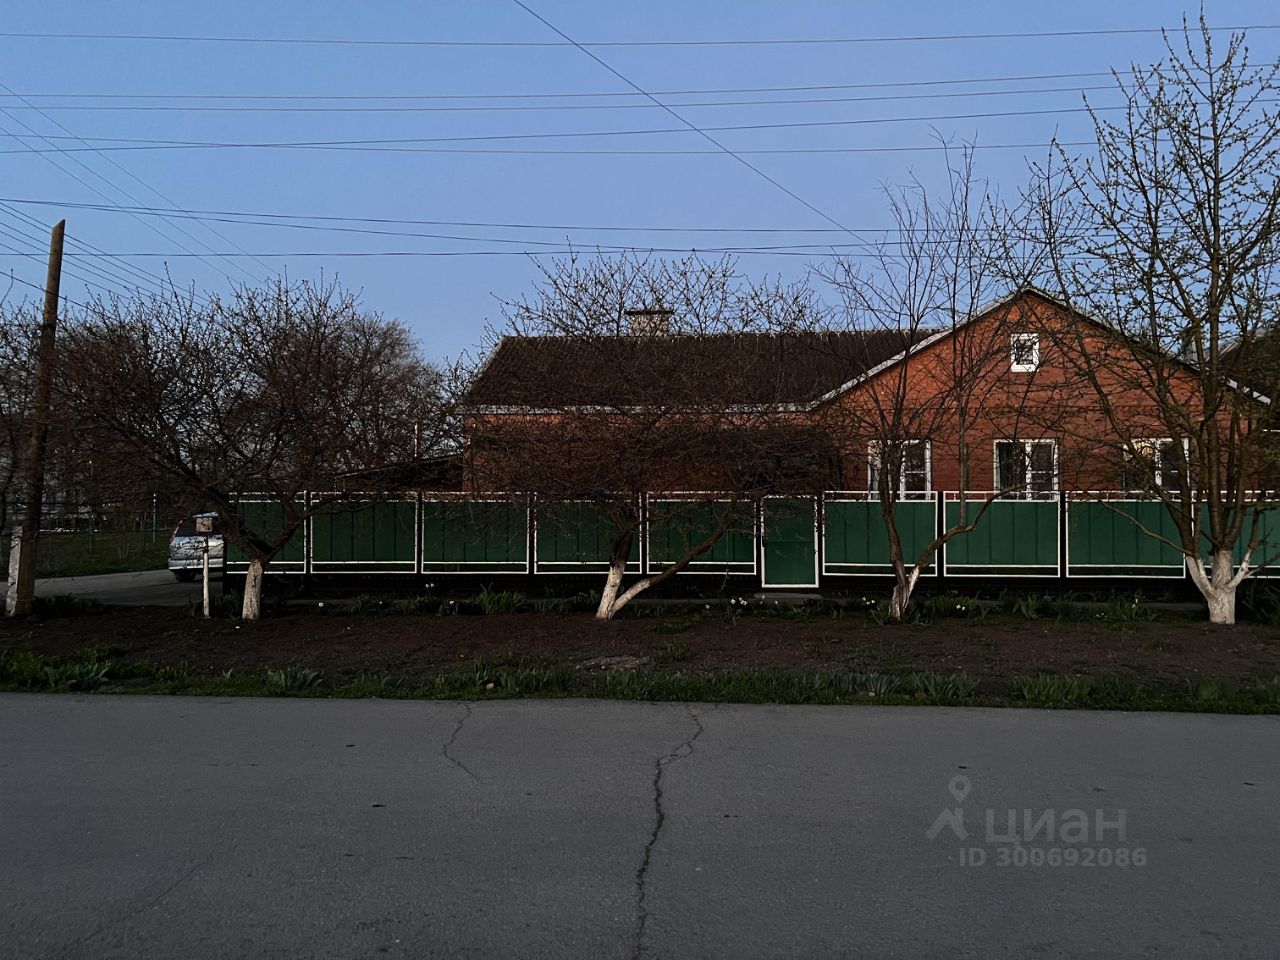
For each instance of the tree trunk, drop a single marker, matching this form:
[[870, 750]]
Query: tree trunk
[[1218, 587], [609, 596], [903, 587], [251, 609]]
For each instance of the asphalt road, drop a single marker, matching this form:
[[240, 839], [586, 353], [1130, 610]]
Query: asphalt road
[[155, 588], [135, 827]]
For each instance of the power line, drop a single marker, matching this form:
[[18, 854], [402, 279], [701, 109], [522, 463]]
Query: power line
[[535, 108], [136, 143], [59, 150], [39, 259], [809, 250], [16, 233], [880, 84], [127, 173], [702, 132], [40, 287], [795, 41], [264, 219], [124, 272], [639, 152]]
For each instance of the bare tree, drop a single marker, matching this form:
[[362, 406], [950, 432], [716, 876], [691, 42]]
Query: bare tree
[[621, 377], [1168, 235], [948, 254], [274, 392]]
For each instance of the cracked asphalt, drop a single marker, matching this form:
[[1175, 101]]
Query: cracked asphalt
[[153, 827]]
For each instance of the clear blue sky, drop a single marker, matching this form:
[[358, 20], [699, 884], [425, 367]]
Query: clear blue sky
[[447, 300]]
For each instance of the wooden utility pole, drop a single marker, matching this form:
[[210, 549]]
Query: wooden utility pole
[[22, 588]]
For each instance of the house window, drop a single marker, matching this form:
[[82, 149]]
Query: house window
[[914, 473], [1024, 352], [1027, 468], [1155, 458]]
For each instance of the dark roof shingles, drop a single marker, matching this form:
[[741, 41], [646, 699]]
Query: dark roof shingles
[[550, 372]]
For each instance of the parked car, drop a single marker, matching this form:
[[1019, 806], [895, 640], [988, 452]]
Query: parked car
[[187, 544]]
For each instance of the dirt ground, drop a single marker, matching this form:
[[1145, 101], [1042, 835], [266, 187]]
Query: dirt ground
[[1171, 650]]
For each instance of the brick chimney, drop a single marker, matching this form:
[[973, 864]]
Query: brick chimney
[[649, 322]]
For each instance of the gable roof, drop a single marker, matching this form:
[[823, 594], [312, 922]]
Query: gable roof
[[794, 369]]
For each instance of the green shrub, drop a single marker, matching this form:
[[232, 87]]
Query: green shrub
[[1267, 692], [293, 680], [878, 684], [1210, 691], [940, 688], [77, 676], [1124, 610], [1027, 606], [492, 601], [673, 652], [22, 668], [953, 606], [376, 685], [422, 605], [1049, 689], [364, 605]]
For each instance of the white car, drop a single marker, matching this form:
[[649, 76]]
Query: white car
[[187, 546]]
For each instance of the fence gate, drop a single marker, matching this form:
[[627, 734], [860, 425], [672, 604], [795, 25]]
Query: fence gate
[[789, 541]]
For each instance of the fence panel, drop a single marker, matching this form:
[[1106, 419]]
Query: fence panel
[[1266, 556], [1109, 538], [1013, 538], [676, 526], [856, 543], [364, 537], [266, 519], [575, 537], [475, 536]]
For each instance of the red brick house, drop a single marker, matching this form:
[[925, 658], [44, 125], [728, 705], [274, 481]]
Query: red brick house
[[1027, 413]]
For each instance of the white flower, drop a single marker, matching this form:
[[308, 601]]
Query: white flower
[[320, 604]]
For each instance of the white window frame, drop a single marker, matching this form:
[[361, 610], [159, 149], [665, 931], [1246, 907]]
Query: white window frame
[[1156, 444], [1024, 492], [873, 464], [1021, 339]]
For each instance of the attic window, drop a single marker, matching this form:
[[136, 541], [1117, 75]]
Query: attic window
[[1024, 352]]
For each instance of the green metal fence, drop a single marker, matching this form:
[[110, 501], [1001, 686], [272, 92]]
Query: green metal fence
[[363, 537], [267, 518], [575, 537], [475, 536], [1267, 555], [855, 540], [1013, 538], [1082, 535], [676, 526], [1121, 538]]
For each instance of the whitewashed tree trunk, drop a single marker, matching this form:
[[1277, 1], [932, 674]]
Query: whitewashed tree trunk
[[609, 596], [1219, 586], [15, 562], [251, 609], [902, 590]]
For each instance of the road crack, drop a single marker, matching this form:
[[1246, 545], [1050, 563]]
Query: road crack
[[448, 744], [134, 911], [683, 749]]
